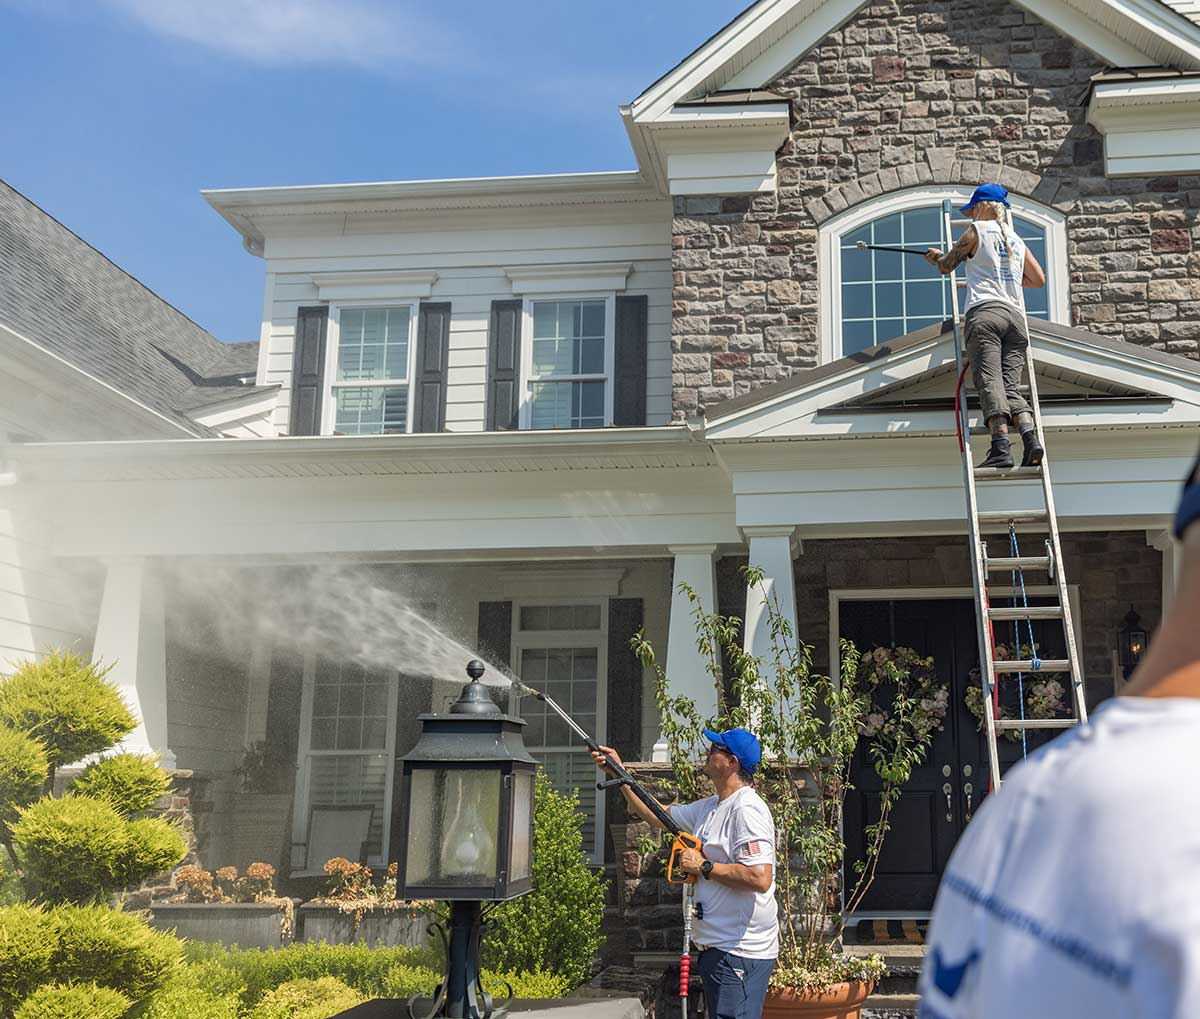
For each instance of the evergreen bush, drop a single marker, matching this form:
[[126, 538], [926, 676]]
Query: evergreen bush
[[78, 849], [130, 782], [65, 702], [28, 942], [556, 927], [204, 991], [307, 999], [24, 768], [73, 1001]]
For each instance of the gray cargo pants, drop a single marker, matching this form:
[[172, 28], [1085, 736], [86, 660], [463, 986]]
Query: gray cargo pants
[[996, 342]]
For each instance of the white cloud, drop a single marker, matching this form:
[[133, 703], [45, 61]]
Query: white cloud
[[382, 35]]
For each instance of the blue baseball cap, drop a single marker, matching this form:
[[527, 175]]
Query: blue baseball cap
[[988, 193], [742, 743]]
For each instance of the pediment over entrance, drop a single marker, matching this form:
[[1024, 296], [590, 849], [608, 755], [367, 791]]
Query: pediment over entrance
[[907, 386]]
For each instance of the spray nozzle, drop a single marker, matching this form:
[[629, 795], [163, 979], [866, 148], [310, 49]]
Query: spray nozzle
[[861, 245]]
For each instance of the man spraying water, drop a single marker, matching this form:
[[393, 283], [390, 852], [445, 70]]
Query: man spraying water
[[736, 927]]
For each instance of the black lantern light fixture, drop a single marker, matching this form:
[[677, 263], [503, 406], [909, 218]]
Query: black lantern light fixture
[[466, 832], [1131, 642]]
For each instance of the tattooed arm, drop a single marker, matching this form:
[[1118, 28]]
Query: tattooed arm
[[963, 249]]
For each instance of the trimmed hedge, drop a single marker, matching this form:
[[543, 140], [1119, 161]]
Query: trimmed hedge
[[131, 783], [73, 1001], [307, 999], [23, 771]]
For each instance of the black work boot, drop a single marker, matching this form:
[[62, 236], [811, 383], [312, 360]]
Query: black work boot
[[1000, 455], [1034, 450]]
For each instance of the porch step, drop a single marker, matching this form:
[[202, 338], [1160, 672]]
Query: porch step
[[1009, 474], [992, 519], [1010, 563], [889, 1006], [1027, 612], [1026, 665], [1005, 724]]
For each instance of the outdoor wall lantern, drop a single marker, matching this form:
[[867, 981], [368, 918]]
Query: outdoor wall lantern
[[1131, 642], [466, 834]]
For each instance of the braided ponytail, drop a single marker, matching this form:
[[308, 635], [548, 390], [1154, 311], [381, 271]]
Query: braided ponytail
[[1003, 216]]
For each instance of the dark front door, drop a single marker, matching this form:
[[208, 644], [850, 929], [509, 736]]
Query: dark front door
[[943, 794]]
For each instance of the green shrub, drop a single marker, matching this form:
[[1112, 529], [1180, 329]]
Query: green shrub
[[28, 942], [130, 782], [23, 771], [556, 927], [77, 849], [113, 948], [365, 969], [65, 702], [307, 999], [540, 984], [73, 1001], [404, 981], [204, 991]]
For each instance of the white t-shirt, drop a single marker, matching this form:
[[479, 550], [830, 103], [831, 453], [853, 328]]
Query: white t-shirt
[[991, 275], [738, 829], [1076, 889]]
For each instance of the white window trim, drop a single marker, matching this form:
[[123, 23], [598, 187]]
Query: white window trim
[[525, 416], [829, 308], [533, 639], [304, 756], [332, 342]]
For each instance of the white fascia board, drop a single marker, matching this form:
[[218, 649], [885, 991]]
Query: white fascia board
[[252, 407], [723, 48], [828, 17], [77, 383], [720, 152], [412, 284], [569, 278], [1177, 37], [1149, 127], [1082, 20]]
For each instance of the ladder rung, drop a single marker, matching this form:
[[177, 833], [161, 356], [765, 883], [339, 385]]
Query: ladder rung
[[1009, 563], [989, 518], [1036, 723], [1026, 612], [1007, 474], [1026, 665]]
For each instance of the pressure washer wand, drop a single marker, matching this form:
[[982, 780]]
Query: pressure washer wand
[[622, 776], [864, 246]]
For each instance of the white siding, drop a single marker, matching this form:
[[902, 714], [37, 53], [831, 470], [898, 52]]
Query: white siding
[[38, 609], [470, 266]]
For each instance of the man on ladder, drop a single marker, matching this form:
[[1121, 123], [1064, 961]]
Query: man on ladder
[[997, 266]]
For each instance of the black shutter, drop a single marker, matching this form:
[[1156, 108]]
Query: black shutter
[[629, 392], [624, 678], [284, 692], [504, 360], [308, 371], [433, 354]]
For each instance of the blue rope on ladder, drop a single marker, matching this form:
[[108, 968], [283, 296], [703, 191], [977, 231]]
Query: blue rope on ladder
[[1018, 574]]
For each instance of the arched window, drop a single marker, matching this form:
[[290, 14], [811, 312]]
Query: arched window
[[875, 296]]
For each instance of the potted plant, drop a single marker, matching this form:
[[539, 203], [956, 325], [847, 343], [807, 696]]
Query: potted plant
[[809, 727], [230, 908], [357, 909]]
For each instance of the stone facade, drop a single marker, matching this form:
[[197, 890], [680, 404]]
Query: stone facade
[[189, 807], [923, 92]]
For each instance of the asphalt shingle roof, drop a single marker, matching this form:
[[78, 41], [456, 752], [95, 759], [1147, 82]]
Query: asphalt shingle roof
[[64, 295]]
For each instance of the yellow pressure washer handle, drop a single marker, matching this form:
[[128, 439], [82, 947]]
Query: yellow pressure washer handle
[[683, 840]]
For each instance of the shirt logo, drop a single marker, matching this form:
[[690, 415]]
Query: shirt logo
[[949, 979]]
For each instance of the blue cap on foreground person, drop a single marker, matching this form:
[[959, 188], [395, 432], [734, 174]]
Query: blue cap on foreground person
[[742, 743], [1076, 889]]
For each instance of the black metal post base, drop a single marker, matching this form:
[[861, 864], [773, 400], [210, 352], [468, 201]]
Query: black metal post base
[[461, 994]]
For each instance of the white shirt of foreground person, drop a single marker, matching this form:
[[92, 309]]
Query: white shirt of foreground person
[[1076, 890], [737, 829]]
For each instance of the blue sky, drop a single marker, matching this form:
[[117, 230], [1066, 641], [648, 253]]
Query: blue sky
[[120, 111]]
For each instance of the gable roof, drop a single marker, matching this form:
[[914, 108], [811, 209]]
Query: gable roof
[[62, 295], [770, 35], [916, 373]]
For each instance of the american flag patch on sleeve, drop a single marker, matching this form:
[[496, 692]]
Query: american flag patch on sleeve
[[753, 848]]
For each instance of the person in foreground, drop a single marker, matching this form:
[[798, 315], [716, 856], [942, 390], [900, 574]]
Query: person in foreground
[[1076, 889], [736, 927]]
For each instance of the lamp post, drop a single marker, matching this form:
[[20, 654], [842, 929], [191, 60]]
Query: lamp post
[[466, 832], [1131, 642]]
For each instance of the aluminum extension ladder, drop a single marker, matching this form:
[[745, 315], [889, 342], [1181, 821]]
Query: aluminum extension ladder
[[983, 564]]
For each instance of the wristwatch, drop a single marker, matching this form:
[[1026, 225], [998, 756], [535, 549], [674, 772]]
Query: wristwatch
[[706, 868]]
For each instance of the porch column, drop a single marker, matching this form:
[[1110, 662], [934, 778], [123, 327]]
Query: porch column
[[771, 550], [1172, 562], [131, 637], [687, 668]]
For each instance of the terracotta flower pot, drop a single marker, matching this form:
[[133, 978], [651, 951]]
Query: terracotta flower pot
[[841, 1001]]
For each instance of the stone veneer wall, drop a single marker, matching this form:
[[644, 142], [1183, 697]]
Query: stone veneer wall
[[188, 806], [914, 93]]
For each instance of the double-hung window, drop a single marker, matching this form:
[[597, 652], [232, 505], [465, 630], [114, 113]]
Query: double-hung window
[[568, 365], [560, 649], [347, 753], [371, 356]]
